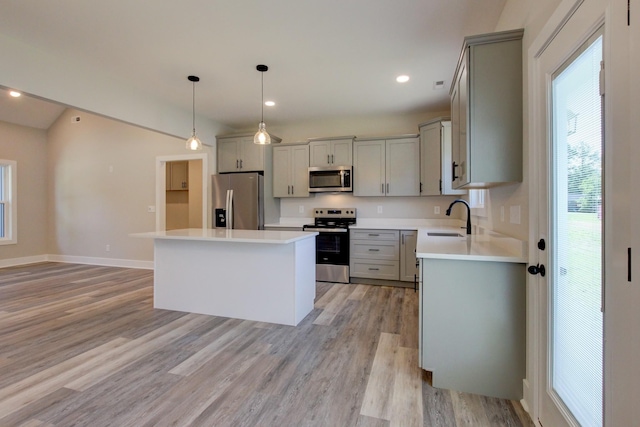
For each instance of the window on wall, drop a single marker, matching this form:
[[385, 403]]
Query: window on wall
[[8, 207], [477, 202]]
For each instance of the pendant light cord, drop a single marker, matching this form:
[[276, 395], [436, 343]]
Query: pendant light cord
[[262, 91], [193, 109]]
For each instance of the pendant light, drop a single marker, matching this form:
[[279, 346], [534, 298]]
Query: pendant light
[[194, 143], [262, 137]]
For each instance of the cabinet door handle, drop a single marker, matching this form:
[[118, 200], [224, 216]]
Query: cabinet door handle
[[421, 187], [387, 188], [374, 250], [240, 163], [332, 159], [402, 239], [288, 189], [237, 164], [453, 171], [292, 189], [382, 188], [328, 159]]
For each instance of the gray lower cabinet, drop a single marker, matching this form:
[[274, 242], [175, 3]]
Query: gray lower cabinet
[[408, 267], [383, 254], [473, 325], [374, 254]]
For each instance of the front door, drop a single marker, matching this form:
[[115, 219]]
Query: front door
[[570, 220]]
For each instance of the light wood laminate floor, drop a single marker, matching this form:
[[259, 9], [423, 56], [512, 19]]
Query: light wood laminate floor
[[82, 346]]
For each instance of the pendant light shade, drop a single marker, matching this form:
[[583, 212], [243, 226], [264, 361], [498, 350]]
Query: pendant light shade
[[194, 143], [262, 137]]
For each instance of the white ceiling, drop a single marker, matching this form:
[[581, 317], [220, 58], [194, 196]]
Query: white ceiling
[[326, 58]]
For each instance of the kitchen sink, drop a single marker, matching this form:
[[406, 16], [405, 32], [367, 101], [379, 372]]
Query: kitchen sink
[[435, 234]]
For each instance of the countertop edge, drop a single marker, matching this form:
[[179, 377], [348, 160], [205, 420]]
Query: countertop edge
[[298, 236]]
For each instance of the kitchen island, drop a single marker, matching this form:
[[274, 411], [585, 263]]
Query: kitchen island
[[472, 311], [266, 276]]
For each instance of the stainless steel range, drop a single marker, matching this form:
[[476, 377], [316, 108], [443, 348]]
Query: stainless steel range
[[332, 242]]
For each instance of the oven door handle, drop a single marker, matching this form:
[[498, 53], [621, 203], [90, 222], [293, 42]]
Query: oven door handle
[[326, 230]]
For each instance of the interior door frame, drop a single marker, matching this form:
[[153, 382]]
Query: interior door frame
[[161, 185], [538, 136]]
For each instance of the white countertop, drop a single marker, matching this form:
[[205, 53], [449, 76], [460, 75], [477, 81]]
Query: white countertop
[[224, 235], [488, 246]]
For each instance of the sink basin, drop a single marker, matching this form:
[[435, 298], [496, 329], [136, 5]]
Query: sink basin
[[444, 234]]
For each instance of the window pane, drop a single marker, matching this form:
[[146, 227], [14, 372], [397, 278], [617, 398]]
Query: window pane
[[577, 253]]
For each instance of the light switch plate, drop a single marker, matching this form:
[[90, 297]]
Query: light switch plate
[[151, 209], [300, 208], [436, 210], [379, 209]]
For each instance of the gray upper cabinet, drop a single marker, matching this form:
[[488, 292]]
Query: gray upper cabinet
[[331, 152], [291, 171], [486, 111], [387, 167], [435, 158], [238, 153]]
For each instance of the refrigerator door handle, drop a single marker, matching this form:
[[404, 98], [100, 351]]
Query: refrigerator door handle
[[229, 209]]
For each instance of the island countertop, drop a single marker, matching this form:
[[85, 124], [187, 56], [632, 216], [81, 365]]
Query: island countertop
[[224, 235], [488, 246]]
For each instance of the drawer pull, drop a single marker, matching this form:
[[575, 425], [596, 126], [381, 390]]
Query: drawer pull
[[374, 250], [374, 235], [374, 269]]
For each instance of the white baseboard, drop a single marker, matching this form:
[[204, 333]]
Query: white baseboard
[[108, 262], [23, 260]]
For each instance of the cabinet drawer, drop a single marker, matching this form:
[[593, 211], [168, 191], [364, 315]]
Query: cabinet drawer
[[388, 250], [375, 235], [375, 269]]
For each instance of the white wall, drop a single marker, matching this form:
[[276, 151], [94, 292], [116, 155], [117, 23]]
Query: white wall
[[28, 147], [101, 179]]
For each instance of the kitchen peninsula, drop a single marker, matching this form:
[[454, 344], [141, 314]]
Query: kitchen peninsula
[[472, 311], [266, 276]]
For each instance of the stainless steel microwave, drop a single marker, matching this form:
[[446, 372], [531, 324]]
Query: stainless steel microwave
[[330, 179]]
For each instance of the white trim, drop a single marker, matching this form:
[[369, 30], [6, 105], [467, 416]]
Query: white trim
[[561, 16], [72, 259], [161, 186], [11, 227], [12, 262], [107, 262]]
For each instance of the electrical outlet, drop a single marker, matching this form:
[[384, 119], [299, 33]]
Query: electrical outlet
[[301, 209], [107, 248], [379, 209], [151, 209], [436, 210]]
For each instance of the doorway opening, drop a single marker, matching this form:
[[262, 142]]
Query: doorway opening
[[181, 192]]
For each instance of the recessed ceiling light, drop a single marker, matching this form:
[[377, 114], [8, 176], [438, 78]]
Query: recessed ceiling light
[[14, 93], [269, 103], [402, 79]]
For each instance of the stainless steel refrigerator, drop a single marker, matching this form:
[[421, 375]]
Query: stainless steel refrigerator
[[238, 201]]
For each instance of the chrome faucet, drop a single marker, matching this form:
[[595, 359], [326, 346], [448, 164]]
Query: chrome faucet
[[468, 212]]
